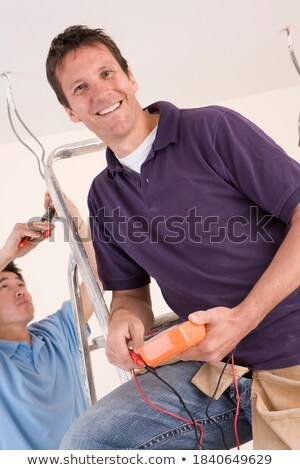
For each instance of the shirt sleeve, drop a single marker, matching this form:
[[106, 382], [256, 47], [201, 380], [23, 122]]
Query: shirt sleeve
[[257, 166], [116, 269], [60, 325]]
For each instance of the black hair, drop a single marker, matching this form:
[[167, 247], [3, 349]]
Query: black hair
[[13, 268]]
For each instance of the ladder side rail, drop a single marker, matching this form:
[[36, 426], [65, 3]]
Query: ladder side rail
[[75, 242], [78, 250], [80, 327]]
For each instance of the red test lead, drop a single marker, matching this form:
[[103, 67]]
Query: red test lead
[[136, 357]]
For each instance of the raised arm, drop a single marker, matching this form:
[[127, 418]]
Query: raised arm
[[84, 234], [11, 249]]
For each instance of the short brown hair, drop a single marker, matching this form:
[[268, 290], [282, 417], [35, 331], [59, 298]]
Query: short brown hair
[[71, 39], [13, 268]]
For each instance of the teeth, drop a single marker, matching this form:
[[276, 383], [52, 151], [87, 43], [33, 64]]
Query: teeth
[[109, 110]]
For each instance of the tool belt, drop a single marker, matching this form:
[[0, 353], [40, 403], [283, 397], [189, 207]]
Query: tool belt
[[275, 401]]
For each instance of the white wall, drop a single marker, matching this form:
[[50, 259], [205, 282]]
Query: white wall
[[22, 191], [277, 113]]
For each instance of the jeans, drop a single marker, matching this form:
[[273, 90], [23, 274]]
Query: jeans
[[123, 420]]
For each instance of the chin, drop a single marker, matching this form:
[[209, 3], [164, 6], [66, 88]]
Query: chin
[[29, 313]]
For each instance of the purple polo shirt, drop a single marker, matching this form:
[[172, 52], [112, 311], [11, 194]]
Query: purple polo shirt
[[204, 218]]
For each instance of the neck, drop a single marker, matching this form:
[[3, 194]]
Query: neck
[[145, 123], [13, 334]]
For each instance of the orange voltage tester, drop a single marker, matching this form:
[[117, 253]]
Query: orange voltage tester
[[172, 342]]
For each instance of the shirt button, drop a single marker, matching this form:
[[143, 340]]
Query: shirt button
[[147, 180]]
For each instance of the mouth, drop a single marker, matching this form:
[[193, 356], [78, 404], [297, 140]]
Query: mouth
[[104, 112], [23, 302]]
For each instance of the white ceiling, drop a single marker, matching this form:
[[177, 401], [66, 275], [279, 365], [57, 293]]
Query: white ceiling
[[191, 52]]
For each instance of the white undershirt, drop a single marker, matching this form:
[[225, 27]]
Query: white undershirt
[[135, 159]]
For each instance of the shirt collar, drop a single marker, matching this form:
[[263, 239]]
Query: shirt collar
[[10, 347], [167, 132]]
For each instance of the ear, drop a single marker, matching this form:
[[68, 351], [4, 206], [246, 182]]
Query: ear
[[71, 114], [134, 84]]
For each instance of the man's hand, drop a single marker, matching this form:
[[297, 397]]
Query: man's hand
[[70, 204], [225, 328], [131, 318], [11, 249], [124, 330], [82, 228]]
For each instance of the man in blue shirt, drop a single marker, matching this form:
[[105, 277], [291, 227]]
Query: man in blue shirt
[[208, 205], [41, 391]]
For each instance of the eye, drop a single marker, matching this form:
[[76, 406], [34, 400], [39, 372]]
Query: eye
[[3, 286], [106, 73], [79, 88]]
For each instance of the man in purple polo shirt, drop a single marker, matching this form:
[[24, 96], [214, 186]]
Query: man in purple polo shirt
[[208, 205]]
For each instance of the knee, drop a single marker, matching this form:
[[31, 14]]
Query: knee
[[77, 437], [84, 433]]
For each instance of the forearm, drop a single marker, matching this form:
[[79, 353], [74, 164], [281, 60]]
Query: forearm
[[226, 327], [124, 306], [11, 248], [85, 236], [131, 317], [279, 280], [5, 259]]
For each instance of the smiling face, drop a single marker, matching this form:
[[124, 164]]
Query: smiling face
[[16, 308], [102, 96]]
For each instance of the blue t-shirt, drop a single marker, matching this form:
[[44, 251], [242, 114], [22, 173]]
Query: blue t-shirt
[[204, 218], [41, 391]]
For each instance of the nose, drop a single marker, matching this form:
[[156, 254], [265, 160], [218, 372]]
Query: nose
[[20, 293], [98, 90]]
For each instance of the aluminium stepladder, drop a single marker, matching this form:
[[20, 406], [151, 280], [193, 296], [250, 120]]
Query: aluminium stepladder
[[79, 261]]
